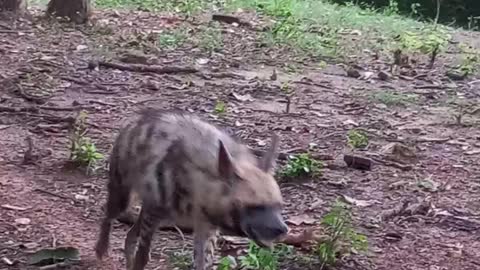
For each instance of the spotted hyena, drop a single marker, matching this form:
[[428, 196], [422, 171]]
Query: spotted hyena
[[187, 171]]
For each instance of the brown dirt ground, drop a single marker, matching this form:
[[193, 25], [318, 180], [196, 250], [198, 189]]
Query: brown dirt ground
[[64, 205]]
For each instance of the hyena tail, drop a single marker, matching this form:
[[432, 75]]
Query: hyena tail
[[117, 202]]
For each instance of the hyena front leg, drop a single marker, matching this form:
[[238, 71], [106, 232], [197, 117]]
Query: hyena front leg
[[147, 223], [204, 243], [117, 202]]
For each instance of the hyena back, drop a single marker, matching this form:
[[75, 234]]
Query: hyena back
[[184, 169]]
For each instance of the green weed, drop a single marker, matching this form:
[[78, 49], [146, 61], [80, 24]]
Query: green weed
[[390, 98], [210, 39], [181, 260], [429, 41], [83, 152], [357, 139], [469, 64], [227, 263], [342, 239], [263, 259], [220, 107], [188, 8], [311, 26], [172, 39], [302, 165]]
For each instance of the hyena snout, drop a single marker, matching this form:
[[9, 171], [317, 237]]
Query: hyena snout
[[264, 225]]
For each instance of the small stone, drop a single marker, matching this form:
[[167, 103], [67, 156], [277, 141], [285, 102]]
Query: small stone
[[351, 72], [22, 221], [382, 75]]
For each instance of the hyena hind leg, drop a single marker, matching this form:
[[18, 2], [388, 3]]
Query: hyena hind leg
[[117, 202]]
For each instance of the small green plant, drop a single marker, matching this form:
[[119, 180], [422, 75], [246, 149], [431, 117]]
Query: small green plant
[[427, 41], [220, 107], [462, 107], [82, 151], [227, 263], [357, 139], [390, 98], [302, 165], [210, 39], [186, 7], [286, 87], [469, 64], [172, 39], [263, 259], [392, 8], [341, 236], [181, 260]]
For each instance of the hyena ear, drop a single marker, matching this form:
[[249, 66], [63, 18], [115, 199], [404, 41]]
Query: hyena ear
[[225, 167], [268, 161]]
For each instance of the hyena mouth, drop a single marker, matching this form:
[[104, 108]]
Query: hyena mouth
[[264, 243]]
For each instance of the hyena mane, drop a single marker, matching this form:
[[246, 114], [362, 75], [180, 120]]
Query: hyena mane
[[187, 171]]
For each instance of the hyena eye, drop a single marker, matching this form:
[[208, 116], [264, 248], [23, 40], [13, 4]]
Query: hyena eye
[[252, 209]]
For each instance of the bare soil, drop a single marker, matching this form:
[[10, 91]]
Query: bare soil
[[51, 67]]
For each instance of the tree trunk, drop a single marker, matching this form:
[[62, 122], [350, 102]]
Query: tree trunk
[[17, 6], [78, 11]]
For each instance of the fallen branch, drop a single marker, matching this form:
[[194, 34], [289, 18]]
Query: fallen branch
[[19, 109], [429, 87], [229, 19], [357, 162], [52, 193], [148, 68]]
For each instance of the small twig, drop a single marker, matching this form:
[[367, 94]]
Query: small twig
[[52, 193], [287, 110], [54, 240], [100, 92], [18, 109], [429, 87], [12, 207], [28, 156], [180, 232], [53, 266], [101, 102], [66, 108], [147, 68]]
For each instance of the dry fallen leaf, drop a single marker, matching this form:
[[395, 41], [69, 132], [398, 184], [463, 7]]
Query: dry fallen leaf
[[242, 98], [303, 238], [301, 219], [356, 202], [30, 245]]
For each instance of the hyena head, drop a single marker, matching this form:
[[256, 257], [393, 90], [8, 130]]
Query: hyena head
[[256, 200]]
